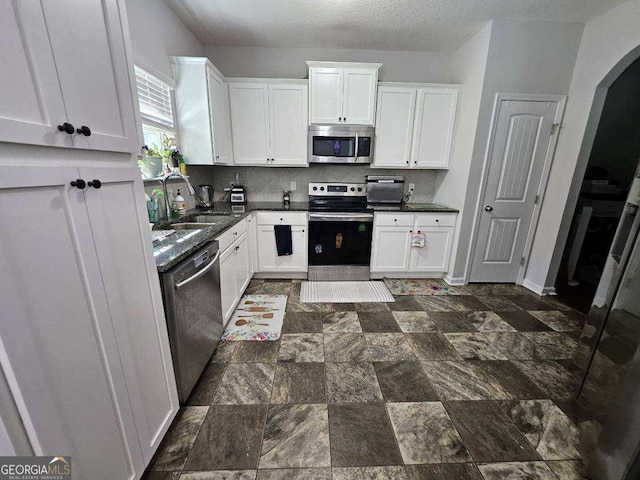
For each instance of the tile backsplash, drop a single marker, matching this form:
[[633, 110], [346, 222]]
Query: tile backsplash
[[265, 184]]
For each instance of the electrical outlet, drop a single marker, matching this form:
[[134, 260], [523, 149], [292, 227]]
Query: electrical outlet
[[412, 188], [293, 186]]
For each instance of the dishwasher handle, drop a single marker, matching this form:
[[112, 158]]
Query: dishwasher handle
[[198, 274]]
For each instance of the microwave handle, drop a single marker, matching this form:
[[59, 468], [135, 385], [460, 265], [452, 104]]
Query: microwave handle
[[357, 148]]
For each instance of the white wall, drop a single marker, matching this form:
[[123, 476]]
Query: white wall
[[468, 68], [523, 57], [263, 62], [606, 40], [156, 34]]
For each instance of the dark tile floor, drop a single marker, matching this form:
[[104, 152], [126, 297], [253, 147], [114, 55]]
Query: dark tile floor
[[461, 387]]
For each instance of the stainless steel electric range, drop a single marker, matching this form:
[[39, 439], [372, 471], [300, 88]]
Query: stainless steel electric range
[[340, 232]]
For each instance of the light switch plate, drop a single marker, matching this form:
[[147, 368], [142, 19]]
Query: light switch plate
[[412, 187], [293, 186]]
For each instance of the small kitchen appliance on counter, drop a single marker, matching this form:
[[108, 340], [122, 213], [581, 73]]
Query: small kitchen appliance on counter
[[204, 194], [385, 189], [238, 195]]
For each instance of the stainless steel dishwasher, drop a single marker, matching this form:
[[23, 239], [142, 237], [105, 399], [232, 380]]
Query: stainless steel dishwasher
[[191, 295]]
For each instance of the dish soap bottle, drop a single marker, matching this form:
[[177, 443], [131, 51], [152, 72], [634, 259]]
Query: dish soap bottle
[[179, 205]]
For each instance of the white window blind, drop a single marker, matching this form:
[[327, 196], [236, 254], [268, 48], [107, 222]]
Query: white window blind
[[154, 97]]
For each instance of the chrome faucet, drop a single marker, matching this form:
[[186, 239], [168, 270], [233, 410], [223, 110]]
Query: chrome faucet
[[163, 181]]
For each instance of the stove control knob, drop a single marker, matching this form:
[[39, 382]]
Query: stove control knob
[[353, 189], [315, 188], [359, 189], [322, 189]]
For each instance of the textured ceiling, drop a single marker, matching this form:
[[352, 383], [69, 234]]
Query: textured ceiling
[[417, 25]]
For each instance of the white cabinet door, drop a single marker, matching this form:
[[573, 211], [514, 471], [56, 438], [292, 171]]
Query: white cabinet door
[[228, 291], [433, 127], [250, 123], [390, 249], [288, 108], [59, 351], [88, 43], [219, 117], [31, 105], [394, 126], [359, 103], [268, 259], [117, 214], [434, 257], [242, 267], [327, 90]]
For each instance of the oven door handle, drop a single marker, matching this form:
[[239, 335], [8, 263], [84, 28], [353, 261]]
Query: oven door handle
[[341, 217], [199, 273]]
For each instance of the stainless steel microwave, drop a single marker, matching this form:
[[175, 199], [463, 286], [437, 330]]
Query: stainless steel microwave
[[340, 144]]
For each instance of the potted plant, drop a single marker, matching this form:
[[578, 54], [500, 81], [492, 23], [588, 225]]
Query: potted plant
[[151, 164]]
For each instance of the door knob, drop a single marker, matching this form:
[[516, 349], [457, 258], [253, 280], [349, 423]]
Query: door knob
[[84, 130], [79, 183], [488, 208], [95, 183], [66, 127]]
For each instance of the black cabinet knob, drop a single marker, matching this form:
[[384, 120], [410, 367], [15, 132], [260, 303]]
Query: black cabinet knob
[[95, 183], [67, 128], [79, 183], [488, 208], [84, 130]]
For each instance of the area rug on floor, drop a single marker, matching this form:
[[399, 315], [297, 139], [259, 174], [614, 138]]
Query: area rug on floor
[[417, 286], [344, 292], [257, 318]]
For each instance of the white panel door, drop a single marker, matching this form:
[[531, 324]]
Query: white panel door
[[87, 39], [435, 255], [250, 123], [519, 145], [359, 104], [433, 127], [57, 344], [219, 114], [228, 292], [268, 259], [119, 223], [390, 249], [241, 261], [288, 109], [394, 126], [31, 105], [327, 90]]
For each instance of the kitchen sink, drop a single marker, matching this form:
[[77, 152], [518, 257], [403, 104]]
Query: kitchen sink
[[208, 218], [190, 225]]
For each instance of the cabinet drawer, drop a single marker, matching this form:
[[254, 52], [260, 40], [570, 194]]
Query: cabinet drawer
[[281, 218], [394, 219], [229, 236], [436, 220]]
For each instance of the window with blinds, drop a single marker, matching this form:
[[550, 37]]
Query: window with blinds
[[154, 97]]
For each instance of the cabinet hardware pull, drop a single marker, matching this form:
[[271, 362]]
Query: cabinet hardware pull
[[488, 208], [79, 183], [67, 128], [95, 183], [84, 130]]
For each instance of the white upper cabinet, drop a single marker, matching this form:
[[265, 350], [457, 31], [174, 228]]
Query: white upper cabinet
[[58, 71], [250, 123], [269, 123], [202, 108], [394, 120], [433, 127], [415, 125], [343, 93]]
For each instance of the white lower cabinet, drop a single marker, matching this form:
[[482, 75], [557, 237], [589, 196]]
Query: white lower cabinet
[[392, 250], [235, 266], [267, 254], [83, 337]]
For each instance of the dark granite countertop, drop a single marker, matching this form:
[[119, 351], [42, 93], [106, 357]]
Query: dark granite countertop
[[174, 248]]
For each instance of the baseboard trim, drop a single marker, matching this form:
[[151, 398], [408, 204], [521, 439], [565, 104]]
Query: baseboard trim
[[454, 281], [283, 275], [539, 289]]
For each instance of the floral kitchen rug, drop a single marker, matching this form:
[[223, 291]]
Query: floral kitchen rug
[[257, 318], [418, 286]]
